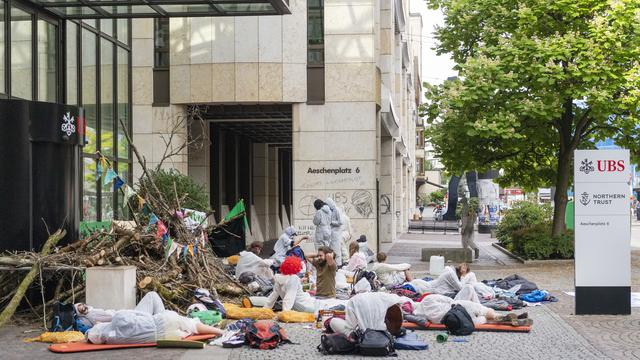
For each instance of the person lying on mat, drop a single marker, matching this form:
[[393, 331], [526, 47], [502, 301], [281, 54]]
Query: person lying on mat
[[288, 287], [90, 316], [147, 324], [435, 306], [391, 274]]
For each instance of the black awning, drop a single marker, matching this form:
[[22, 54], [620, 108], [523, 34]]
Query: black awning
[[108, 9]]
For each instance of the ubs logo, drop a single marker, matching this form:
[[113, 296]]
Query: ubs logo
[[584, 198], [68, 127], [587, 166]]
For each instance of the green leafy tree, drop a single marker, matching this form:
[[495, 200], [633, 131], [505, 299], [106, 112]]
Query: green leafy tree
[[538, 79]]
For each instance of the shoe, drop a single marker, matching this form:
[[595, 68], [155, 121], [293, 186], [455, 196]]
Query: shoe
[[246, 303], [524, 315], [522, 322]]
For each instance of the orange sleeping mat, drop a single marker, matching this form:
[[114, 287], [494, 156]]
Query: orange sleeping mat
[[483, 327], [85, 346]]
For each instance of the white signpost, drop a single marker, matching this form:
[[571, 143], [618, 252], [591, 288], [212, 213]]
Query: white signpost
[[602, 232]]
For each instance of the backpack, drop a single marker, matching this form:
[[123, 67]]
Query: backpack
[[370, 276], [458, 321], [410, 341], [64, 317], [376, 343], [337, 344], [265, 334]]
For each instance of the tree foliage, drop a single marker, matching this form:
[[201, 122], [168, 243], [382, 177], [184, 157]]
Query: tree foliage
[[538, 79]]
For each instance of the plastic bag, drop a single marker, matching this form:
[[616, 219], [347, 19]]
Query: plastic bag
[[362, 286]]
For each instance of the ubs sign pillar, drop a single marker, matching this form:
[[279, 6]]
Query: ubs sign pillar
[[602, 232]]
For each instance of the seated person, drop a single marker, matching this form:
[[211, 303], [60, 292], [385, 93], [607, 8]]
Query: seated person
[[287, 241], [364, 248], [288, 287], [467, 277], [326, 269], [391, 274], [251, 262], [448, 283], [357, 260], [366, 311], [147, 324], [435, 306]]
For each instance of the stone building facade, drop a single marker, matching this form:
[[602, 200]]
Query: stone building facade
[[319, 103]]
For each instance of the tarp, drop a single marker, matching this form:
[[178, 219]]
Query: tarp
[[229, 236]]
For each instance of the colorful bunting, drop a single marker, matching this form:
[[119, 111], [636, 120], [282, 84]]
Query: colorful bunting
[[128, 193], [153, 219], [146, 209], [109, 176], [190, 247], [118, 183], [161, 230], [184, 251], [141, 202], [170, 248], [99, 170]]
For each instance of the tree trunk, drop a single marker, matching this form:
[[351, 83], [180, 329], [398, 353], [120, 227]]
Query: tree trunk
[[560, 199]]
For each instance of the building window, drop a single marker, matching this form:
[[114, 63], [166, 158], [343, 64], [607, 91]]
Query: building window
[[47, 61], [105, 93], [161, 62], [21, 54], [315, 51], [3, 50]]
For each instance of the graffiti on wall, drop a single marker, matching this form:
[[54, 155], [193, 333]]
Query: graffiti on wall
[[385, 204], [357, 204]]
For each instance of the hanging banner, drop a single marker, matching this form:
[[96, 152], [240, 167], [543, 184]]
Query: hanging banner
[[602, 232]]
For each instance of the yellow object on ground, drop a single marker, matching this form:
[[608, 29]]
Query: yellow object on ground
[[296, 317], [58, 337], [236, 312], [233, 259]]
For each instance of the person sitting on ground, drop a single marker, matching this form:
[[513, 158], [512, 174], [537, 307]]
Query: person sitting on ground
[[148, 323], [357, 260], [468, 278], [448, 283], [391, 274], [364, 248], [325, 272], [287, 241], [367, 311], [288, 287], [322, 221], [250, 261], [435, 306]]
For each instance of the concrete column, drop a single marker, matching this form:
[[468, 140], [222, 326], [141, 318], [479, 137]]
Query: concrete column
[[397, 215], [387, 190], [199, 164], [261, 185], [274, 224]]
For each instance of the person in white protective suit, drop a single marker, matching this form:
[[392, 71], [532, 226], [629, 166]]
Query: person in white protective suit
[[287, 241], [322, 221], [148, 323], [366, 311], [251, 262], [346, 236], [336, 224], [447, 283], [467, 277], [288, 287], [391, 274], [435, 306]]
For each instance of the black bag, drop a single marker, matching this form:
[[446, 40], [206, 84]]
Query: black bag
[[458, 321], [64, 317], [336, 344], [376, 343]]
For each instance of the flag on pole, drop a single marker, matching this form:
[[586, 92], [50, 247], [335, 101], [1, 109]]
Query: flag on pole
[[238, 210]]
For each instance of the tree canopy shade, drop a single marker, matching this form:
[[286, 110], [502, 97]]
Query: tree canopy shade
[[538, 79]]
